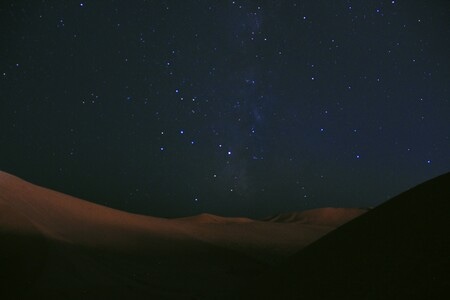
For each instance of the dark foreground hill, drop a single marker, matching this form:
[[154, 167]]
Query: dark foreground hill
[[399, 250], [54, 246]]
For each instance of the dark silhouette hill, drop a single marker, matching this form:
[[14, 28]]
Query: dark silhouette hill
[[399, 250]]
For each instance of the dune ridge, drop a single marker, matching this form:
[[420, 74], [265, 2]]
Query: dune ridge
[[327, 216], [65, 218], [210, 218]]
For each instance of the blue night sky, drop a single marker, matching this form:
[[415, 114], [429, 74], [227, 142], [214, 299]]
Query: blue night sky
[[174, 108]]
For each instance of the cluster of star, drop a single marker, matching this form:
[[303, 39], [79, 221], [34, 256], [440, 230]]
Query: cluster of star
[[275, 100]]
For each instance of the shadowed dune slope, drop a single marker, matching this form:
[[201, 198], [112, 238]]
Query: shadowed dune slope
[[399, 250]]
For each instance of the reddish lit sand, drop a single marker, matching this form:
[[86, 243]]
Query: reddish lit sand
[[55, 245]]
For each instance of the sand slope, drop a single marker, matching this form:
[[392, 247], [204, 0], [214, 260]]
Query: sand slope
[[399, 250], [55, 245]]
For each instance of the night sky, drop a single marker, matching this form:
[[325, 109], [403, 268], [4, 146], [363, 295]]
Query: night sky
[[173, 108]]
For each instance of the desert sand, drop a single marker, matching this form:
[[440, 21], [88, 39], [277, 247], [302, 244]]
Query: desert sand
[[57, 246]]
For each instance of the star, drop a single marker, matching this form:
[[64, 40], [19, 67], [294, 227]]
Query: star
[[269, 99]]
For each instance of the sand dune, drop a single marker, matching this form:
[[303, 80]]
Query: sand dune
[[65, 218], [399, 250], [328, 216], [68, 219], [209, 218], [57, 246], [61, 246]]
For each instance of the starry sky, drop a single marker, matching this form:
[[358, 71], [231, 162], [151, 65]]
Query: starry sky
[[238, 108]]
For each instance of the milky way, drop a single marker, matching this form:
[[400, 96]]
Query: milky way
[[248, 108]]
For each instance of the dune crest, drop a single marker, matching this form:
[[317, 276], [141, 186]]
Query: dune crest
[[210, 218]]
